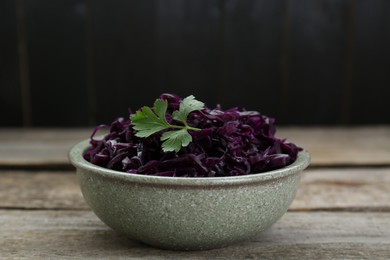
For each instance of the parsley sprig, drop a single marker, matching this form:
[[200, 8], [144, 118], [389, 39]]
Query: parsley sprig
[[147, 122]]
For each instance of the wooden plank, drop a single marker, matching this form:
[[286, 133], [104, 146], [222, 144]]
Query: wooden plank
[[38, 147], [124, 56], [252, 42], [78, 234], [363, 146], [40, 190], [371, 77], [317, 42], [338, 146], [324, 189], [344, 189], [153, 47], [10, 97], [188, 42], [57, 62]]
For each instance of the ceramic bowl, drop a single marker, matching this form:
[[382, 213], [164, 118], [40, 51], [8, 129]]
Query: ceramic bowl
[[187, 213]]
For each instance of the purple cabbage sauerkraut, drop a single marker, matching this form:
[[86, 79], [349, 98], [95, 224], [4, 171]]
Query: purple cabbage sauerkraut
[[230, 143]]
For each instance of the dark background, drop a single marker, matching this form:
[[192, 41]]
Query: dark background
[[84, 62]]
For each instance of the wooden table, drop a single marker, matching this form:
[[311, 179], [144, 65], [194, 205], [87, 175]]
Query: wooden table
[[342, 210]]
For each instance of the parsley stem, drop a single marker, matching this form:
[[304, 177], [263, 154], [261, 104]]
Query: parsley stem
[[184, 127], [193, 128]]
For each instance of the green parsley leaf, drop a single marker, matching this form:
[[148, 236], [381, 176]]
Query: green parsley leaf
[[187, 105], [147, 122], [174, 140], [160, 108]]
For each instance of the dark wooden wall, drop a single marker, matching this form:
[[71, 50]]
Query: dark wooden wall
[[84, 62]]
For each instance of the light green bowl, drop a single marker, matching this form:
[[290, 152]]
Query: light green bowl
[[187, 213]]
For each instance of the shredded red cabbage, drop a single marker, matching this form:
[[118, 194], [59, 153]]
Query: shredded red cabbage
[[231, 143]]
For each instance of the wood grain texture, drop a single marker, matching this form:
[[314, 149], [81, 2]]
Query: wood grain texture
[[328, 146], [78, 234], [305, 62], [339, 212], [338, 146], [252, 42], [57, 62], [11, 96], [32, 147], [317, 50], [146, 48], [124, 57], [344, 190], [369, 100], [188, 42], [40, 190], [321, 189]]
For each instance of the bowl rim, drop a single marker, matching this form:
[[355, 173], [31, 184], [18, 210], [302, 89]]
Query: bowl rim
[[77, 160]]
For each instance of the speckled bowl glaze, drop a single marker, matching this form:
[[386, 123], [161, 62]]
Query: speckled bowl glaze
[[187, 213]]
